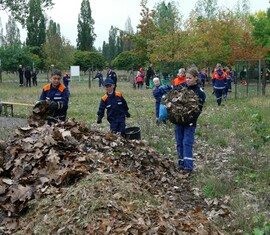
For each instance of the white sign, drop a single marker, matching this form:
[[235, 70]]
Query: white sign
[[75, 71]]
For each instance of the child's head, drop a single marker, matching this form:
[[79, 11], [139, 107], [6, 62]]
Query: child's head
[[181, 72], [156, 81], [192, 76], [56, 77], [109, 85]]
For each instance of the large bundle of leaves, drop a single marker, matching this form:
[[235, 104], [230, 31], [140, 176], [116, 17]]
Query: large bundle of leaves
[[182, 105]]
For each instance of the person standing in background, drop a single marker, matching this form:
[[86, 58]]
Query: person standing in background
[[149, 75], [112, 75], [180, 81], [100, 78], [219, 81], [34, 77], [28, 75], [66, 80], [20, 71]]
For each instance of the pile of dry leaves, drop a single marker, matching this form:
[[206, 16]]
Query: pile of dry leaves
[[182, 105], [43, 161]]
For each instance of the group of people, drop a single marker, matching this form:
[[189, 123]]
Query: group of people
[[109, 74], [145, 77], [116, 107], [222, 82], [26, 75]]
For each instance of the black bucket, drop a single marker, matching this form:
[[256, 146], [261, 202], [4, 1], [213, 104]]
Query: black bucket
[[133, 133]]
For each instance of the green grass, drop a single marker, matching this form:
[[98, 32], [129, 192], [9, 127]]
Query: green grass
[[244, 176]]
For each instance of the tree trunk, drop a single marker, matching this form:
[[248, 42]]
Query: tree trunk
[[264, 80]]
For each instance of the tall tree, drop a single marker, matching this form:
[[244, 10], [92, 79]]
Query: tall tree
[[12, 32], [86, 35], [35, 25], [19, 8], [206, 9], [2, 37], [167, 17], [129, 32], [112, 43], [57, 50], [53, 30], [146, 33], [261, 30]]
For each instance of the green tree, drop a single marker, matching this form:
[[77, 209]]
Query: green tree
[[2, 36], [12, 32], [13, 55], [128, 33], [167, 17], [261, 30], [146, 33], [206, 9], [19, 8], [35, 25], [105, 51], [86, 35], [57, 50], [88, 60], [126, 60], [112, 43]]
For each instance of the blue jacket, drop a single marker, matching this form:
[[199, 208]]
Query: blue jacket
[[116, 106], [66, 80], [159, 91], [99, 75], [219, 80], [202, 97], [56, 94]]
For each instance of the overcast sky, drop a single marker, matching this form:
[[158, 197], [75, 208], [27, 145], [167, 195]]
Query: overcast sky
[[107, 13]]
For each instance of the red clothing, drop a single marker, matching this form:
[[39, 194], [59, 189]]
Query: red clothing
[[139, 79], [178, 81]]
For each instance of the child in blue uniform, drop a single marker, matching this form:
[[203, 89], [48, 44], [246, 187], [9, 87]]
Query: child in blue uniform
[[117, 108], [55, 94], [185, 133], [158, 92]]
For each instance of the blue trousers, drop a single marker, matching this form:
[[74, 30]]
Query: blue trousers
[[185, 139], [219, 93], [118, 126], [157, 109]]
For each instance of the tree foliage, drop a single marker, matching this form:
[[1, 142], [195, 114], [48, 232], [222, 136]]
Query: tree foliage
[[206, 9], [35, 24], [167, 17], [13, 55], [57, 50], [88, 60], [19, 8], [13, 32], [115, 45], [126, 60], [86, 35], [261, 31]]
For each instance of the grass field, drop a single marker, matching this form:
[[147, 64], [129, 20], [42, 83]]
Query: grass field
[[232, 141]]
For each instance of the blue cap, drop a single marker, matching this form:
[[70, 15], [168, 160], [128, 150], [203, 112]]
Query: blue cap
[[108, 81]]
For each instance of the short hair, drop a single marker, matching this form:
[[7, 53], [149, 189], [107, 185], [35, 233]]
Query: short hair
[[218, 65], [56, 72], [155, 79]]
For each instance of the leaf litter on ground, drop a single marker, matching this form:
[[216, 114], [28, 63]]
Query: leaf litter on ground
[[66, 178]]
